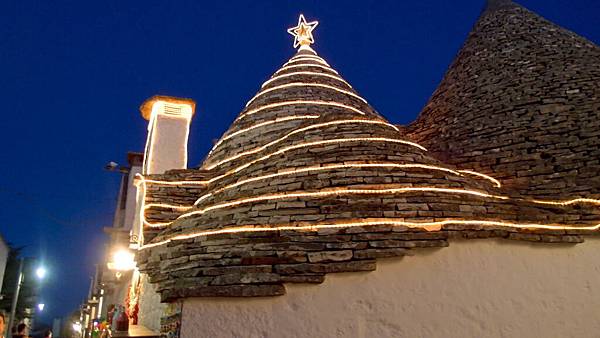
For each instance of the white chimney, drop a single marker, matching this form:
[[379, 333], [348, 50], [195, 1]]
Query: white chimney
[[168, 130], [166, 146]]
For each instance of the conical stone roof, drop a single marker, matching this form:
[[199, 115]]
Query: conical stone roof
[[309, 135], [520, 102], [310, 179]]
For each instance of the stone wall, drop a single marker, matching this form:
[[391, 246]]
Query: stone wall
[[480, 288]]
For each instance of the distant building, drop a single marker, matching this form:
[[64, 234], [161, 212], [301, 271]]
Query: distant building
[[4, 251], [29, 290], [111, 285], [310, 180], [116, 285]]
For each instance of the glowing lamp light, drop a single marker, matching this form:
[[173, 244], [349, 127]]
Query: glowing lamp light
[[77, 327], [41, 306], [40, 272], [122, 260]]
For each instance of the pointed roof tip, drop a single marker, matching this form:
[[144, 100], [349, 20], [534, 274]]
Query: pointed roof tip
[[307, 50], [494, 5]]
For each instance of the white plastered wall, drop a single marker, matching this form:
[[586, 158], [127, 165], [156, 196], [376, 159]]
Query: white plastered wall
[[475, 288], [168, 148], [151, 309], [4, 251], [130, 203]]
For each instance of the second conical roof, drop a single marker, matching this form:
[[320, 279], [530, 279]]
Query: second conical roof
[[519, 102]]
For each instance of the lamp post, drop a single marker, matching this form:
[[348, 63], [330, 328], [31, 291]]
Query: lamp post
[[13, 306], [40, 272]]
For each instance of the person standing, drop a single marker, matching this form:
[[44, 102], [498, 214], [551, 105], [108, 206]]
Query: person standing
[[2, 323], [22, 331]]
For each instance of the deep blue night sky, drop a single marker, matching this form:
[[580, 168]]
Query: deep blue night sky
[[73, 73]]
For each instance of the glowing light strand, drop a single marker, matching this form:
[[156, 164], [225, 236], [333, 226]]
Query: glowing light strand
[[142, 211], [281, 76], [305, 58], [347, 191], [306, 65], [297, 131], [325, 168], [489, 178], [428, 226], [290, 172], [283, 150], [300, 102], [569, 202], [310, 144], [305, 84], [331, 192], [262, 124]]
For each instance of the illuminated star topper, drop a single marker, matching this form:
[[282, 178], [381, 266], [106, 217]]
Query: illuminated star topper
[[303, 32]]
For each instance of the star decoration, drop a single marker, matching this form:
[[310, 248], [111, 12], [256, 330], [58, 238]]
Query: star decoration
[[303, 32]]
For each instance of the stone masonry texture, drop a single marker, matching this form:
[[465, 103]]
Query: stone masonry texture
[[520, 102]]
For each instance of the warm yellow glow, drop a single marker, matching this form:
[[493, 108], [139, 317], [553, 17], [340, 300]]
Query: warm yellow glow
[[305, 84], [157, 224], [331, 76], [315, 126], [428, 226], [307, 56], [314, 56], [489, 178], [167, 206], [174, 183], [262, 124], [324, 168], [303, 58], [306, 48], [569, 202], [306, 65], [302, 33], [140, 182], [122, 260]]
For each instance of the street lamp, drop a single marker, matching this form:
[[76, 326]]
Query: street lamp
[[41, 306], [40, 273], [122, 260]]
